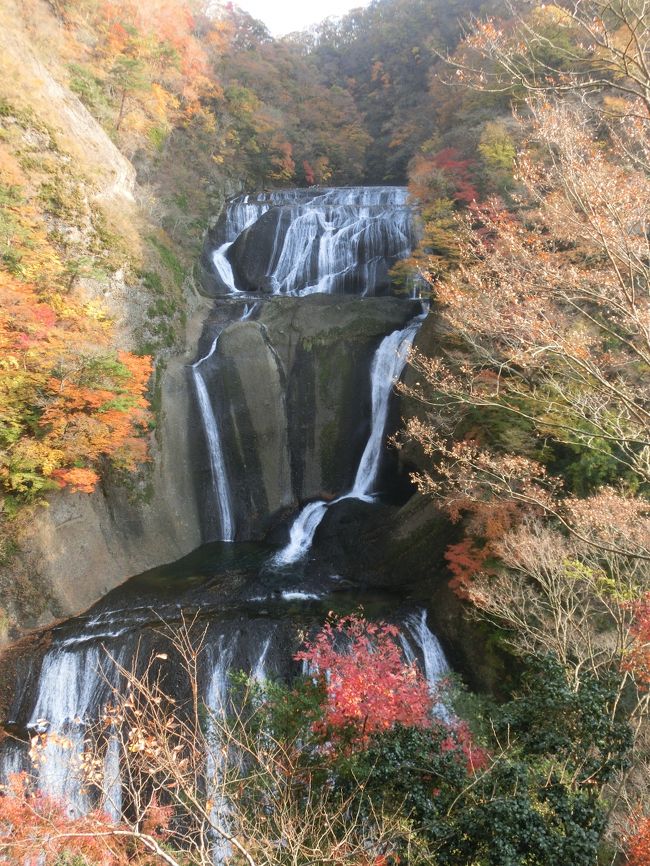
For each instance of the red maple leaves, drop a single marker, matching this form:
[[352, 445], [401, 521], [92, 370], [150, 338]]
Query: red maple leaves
[[370, 688], [638, 849]]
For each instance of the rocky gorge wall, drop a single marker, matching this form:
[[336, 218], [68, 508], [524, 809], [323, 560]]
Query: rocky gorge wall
[[72, 548], [296, 384], [79, 546]]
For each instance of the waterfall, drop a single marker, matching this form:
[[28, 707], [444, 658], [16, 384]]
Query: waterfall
[[13, 759], [218, 469], [435, 664], [216, 700], [71, 687], [223, 267], [112, 781], [258, 671], [302, 533], [328, 241], [327, 248], [249, 310], [387, 366], [325, 240], [243, 212]]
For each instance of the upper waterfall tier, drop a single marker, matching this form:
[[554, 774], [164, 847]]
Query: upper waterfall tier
[[303, 241]]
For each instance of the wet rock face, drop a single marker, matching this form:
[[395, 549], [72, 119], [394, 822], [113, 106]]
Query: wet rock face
[[252, 253], [292, 390]]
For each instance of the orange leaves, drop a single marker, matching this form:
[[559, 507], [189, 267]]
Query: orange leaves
[[464, 560], [173, 71], [638, 848], [65, 402], [638, 659], [35, 828], [78, 480]]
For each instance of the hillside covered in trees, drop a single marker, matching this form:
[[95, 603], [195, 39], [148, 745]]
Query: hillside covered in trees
[[522, 131]]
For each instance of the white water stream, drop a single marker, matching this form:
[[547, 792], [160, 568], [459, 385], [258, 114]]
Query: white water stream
[[219, 472], [387, 366], [71, 687], [326, 241]]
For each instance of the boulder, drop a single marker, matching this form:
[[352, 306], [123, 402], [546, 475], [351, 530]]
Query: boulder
[[252, 254]]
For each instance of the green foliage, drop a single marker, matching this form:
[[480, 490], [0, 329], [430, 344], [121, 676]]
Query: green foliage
[[498, 151], [151, 280], [157, 137], [586, 469], [89, 87], [573, 725], [286, 712], [538, 802], [169, 259]]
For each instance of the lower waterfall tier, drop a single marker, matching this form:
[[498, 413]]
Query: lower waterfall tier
[[249, 615]]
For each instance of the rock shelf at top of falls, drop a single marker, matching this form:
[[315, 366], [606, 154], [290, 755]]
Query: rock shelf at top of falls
[[305, 241]]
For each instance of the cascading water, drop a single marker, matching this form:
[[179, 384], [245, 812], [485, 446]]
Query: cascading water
[[436, 665], [71, 687], [326, 241], [417, 639], [218, 470], [301, 533], [216, 700], [387, 366], [223, 267]]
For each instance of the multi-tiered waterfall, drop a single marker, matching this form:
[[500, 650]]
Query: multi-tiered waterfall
[[293, 383], [334, 242]]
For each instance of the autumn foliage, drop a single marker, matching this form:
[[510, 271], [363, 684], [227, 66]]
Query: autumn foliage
[[369, 688], [638, 848], [638, 658], [67, 399], [37, 828]]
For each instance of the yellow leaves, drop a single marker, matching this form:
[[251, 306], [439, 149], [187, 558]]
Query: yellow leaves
[[162, 101], [95, 310], [10, 170], [549, 14]]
